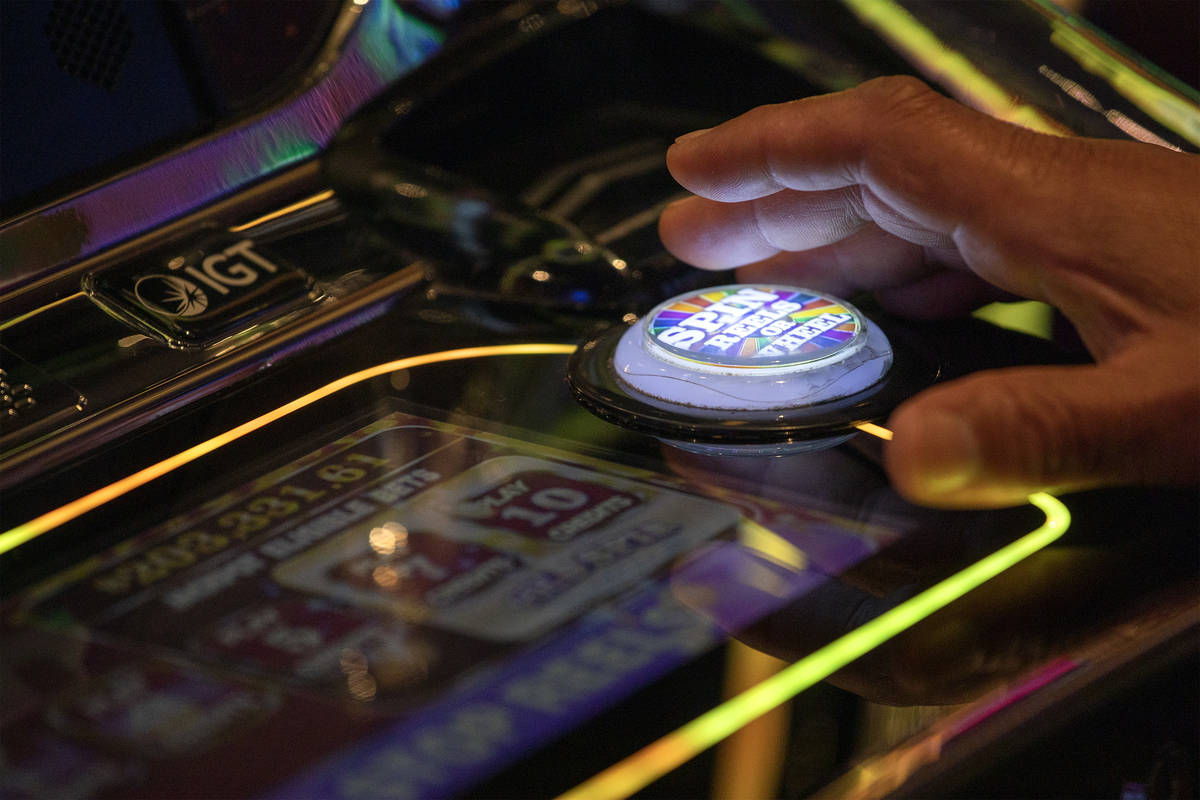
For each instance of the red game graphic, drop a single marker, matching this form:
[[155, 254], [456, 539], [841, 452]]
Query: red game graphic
[[545, 505], [159, 711], [424, 567], [507, 548], [285, 637]]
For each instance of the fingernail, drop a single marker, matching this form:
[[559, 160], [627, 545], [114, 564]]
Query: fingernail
[[692, 135], [948, 457]]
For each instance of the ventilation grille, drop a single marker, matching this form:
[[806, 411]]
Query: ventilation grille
[[89, 39]]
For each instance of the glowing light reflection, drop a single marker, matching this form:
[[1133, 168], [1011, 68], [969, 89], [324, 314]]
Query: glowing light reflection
[[770, 544], [299, 205], [386, 577], [1180, 114], [23, 533], [15, 321], [1076, 92], [359, 681], [949, 67], [657, 759], [388, 538], [874, 430], [387, 43]]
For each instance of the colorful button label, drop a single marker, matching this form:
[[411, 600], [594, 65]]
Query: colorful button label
[[749, 327]]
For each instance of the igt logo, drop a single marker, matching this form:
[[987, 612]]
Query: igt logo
[[214, 277], [206, 291], [171, 296]]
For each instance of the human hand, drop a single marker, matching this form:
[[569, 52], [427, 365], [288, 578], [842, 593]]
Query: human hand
[[937, 208]]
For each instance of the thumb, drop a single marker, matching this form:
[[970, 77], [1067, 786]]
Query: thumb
[[991, 439]]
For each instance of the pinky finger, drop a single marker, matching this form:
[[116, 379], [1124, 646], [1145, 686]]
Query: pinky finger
[[941, 295]]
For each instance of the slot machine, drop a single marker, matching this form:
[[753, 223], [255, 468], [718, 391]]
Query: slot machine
[[361, 439]]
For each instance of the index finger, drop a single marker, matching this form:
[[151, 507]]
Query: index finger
[[910, 145]]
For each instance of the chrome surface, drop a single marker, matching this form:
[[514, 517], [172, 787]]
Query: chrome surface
[[381, 42]]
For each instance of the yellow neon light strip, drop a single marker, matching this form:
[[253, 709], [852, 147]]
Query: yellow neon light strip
[[1172, 110], [875, 430], [12, 323], [21, 534], [948, 66], [283, 212], [657, 759]]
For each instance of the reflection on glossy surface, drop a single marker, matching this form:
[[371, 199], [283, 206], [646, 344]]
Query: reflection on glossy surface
[[282, 213], [358, 679], [771, 545], [479, 245], [945, 65], [1118, 118], [738, 348], [388, 538], [386, 700], [384, 44], [1167, 106], [604, 370], [17, 536], [386, 576], [944, 660], [639, 770], [992, 635], [962, 56]]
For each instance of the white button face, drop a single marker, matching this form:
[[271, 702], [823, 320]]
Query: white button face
[[751, 348], [753, 329]]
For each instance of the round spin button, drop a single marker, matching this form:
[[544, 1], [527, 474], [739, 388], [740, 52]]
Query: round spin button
[[750, 370], [753, 329]]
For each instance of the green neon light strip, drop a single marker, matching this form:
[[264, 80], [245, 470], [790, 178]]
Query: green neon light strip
[[1169, 108], [948, 66], [652, 762]]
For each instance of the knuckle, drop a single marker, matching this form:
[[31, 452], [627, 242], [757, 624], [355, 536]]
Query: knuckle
[[765, 224], [899, 115], [898, 96]]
